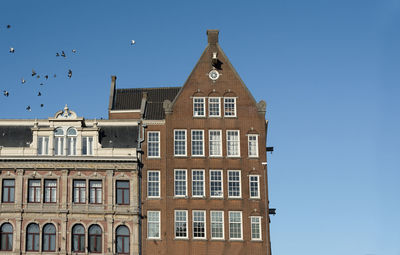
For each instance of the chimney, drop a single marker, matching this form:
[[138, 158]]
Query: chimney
[[212, 36], [112, 92]]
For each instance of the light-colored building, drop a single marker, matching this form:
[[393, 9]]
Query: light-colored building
[[69, 186]]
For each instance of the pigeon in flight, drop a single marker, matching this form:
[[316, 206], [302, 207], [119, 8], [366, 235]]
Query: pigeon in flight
[[28, 108], [41, 84], [12, 50], [55, 75], [57, 54], [63, 54], [69, 73], [8, 26], [23, 81], [73, 51], [39, 94], [41, 105], [33, 72], [46, 76], [5, 92], [133, 42], [38, 76]]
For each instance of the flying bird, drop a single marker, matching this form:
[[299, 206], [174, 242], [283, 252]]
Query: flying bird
[[133, 42], [23, 81], [46, 76], [73, 51], [8, 26], [41, 105], [39, 94], [55, 75], [69, 73], [28, 108], [12, 50], [57, 54], [33, 72], [5, 92], [63, 54], [38, 76], [41, 84]]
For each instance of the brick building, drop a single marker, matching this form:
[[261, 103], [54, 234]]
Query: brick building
[[204, 184], [68, 186]]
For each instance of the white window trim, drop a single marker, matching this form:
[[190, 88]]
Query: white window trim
[[227, 142], [204, 105], [241, 225], [240, 183], [187, 226], [222, 183], [191, 142], [179, 155], [248, 145], [89, 145], [209, 143], [235, 101], [209, 108], [159, 183], [204, 182], [159, 226], [260, 227], [186, 186], [45, 145], [159, 144], [258, 186], [205, 225], [223, 226]]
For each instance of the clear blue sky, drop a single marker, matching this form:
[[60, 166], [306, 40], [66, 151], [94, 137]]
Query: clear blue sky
[[329, 71]]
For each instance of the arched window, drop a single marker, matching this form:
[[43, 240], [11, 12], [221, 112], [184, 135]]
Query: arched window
[[78, 238], [32, 237], [95, 239], [122, 234], [49, 238], [71, 141], [6, 237], [59, 142]]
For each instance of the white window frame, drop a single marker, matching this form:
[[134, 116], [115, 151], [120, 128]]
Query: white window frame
[[204, 222], [234, 106], [186, 222], [185, 141], [214, 103], [158, 222], [228, 141], [175, 180], [259, 227], [258, 186], [240, 183], [222, 183], [195, 114], [203, 182], [43, 145], [155, 182], [71, 142], [241, 225], [88, 142], [214, 141], [249, 146], [153, 142], [212, 222], [202, 142]]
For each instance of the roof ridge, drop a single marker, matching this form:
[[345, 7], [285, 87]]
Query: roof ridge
[[150, 88]]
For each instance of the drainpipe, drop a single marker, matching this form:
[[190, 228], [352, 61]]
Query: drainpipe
[[140, 140]]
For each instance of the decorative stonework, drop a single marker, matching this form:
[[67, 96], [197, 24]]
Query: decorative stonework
[[65, 114], [262, 106]]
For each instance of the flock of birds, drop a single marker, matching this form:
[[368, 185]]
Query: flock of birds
[[61, 54]]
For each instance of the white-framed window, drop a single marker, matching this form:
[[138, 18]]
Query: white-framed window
[[230, 106], [199, 107], [198, 186], [254, 185], [50, 191], [234, 184], [71, 141], [199, 224], [34, 191], [153, 225], [79, 191], [235, 225], [153, 184], [181, 224], [153, 144], [59, 142], [180, 143], [215, 143], [95, 192], [197, 143], [180, 182], [217, 224], [87, 145], [233, 143], [43, 145], [255, 222], [216, 183], [214, 107], [253, 145]]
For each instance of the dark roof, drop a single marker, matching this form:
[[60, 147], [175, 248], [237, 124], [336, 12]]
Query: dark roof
[[130, 99], [15, 136], [118, 136]]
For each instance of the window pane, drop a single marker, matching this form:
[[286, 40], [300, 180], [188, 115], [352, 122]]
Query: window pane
[[199, 222], [198, 107], [216, 183], [217, 224], [198, 183], [180, 142], [180, 224], [153, 183], [215, 143], [234, 184], [153, 221], [153, 144], [230, 106], [233, 143], [214, 106], [180, 182], [197, 143]]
